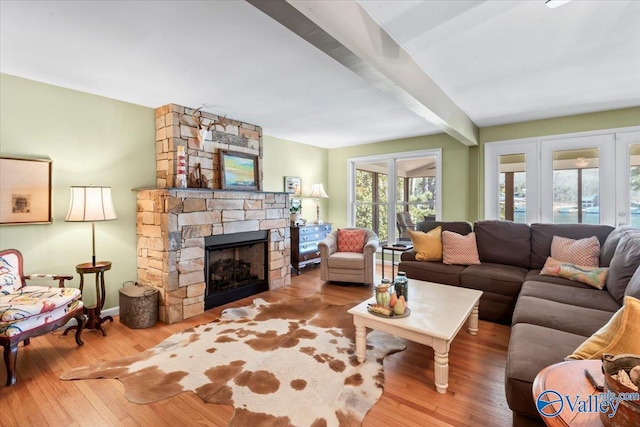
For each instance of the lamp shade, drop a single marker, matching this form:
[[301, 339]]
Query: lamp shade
[[317, 192], [91, 204]]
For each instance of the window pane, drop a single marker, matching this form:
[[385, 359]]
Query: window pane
[[364, 186], [364, 216], [634, 173], [513, 190], [576, 186]]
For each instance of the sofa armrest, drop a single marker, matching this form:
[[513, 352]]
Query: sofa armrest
[[328, 245], [371, 246], [409, 255]]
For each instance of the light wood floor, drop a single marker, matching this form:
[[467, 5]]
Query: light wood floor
[[475, 396]]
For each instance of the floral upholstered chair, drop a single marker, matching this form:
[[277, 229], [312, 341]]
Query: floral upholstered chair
[[30, 311]]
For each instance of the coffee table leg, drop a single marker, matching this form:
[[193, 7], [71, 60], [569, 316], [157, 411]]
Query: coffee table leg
[[441, 366], [361, 340], [473, 320]]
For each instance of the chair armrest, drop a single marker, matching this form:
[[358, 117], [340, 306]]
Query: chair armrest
[[371, 246], [328, 245], [40, 276]]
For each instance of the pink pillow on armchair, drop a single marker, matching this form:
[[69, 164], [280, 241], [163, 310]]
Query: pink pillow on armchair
[[351, 240]]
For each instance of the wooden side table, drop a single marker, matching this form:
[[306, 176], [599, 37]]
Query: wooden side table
[[568, 378], [93, 312]]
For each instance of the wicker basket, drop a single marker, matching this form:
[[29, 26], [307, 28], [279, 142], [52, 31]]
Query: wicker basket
[[138, 305]]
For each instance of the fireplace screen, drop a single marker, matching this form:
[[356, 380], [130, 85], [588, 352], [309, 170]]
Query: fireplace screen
[[236, 267]]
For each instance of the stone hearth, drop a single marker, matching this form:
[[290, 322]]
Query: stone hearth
[[172, 223]]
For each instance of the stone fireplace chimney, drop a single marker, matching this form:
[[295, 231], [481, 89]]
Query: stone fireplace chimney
[[173, 223]]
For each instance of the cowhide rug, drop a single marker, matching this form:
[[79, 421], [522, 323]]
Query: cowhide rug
[[279, 364]]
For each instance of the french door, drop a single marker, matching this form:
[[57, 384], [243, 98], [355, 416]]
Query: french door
[[591, 178]]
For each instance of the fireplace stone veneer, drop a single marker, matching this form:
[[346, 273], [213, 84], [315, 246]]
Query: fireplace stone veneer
[[172, 225]]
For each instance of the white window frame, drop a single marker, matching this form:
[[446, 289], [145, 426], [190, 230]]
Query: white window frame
[[614, 152], [391, 159]]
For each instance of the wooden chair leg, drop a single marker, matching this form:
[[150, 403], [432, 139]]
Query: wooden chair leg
[[27, 341], [10, 357], [81, 319]]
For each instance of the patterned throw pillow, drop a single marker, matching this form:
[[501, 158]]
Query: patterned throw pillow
[[351, 240], [592, 276], [428, 246], [459, 249], [580, 252]]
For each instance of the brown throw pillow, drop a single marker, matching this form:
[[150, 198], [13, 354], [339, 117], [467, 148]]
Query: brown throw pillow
[[584, 252], [459, 249]]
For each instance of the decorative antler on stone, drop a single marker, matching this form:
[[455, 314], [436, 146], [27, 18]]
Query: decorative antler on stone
[[204, 129]]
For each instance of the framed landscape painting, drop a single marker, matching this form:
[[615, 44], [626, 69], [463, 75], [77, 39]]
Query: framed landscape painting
[[25, 191], [239, 171]]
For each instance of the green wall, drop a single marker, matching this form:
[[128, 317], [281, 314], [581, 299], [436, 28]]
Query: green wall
[[91, 140], [455, 173], [538, 128], [287, 158]]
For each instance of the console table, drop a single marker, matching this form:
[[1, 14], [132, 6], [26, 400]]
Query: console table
[[304, 244]]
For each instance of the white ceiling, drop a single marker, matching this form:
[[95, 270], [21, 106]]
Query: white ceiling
[[498, 61]]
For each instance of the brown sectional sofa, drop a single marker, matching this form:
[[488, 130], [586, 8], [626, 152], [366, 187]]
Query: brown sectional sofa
[[550, 316]]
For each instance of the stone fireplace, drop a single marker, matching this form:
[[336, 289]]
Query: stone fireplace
[[176, 226]]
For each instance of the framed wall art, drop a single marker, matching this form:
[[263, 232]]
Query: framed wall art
[[293, 185], [25, 191], [239, 171]]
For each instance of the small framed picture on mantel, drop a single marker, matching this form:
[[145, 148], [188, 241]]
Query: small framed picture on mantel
[[239, 171]]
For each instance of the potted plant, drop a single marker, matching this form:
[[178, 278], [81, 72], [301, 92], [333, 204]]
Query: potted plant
[[295, 213]]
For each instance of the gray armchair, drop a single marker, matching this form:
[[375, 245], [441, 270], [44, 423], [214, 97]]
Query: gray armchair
[[348, 266]]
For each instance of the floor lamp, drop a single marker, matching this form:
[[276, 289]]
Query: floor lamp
[[91, 204], [317, 192]]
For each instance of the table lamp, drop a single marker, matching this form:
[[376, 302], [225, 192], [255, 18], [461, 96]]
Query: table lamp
[[317, 192], [91, 204]]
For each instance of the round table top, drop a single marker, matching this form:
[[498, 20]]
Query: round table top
[[88, 267], [568, 379]]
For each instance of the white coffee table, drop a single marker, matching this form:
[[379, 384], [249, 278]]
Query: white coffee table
[[437, 314]]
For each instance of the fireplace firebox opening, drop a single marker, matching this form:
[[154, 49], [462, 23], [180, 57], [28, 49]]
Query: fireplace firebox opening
[[235, 267]]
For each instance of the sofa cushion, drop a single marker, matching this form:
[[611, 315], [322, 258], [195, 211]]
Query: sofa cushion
[[590, 298], [427, 246], [624, 264], [611, 243], [556, 315], [532, 348], [432, 271], [35, 300], [460, 227], [633, 288], [580, 252], [503, 242], [618, 336], [592, 276], [459, 249], [542, 235], [498, 278], [535, 275], [347, 260]]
